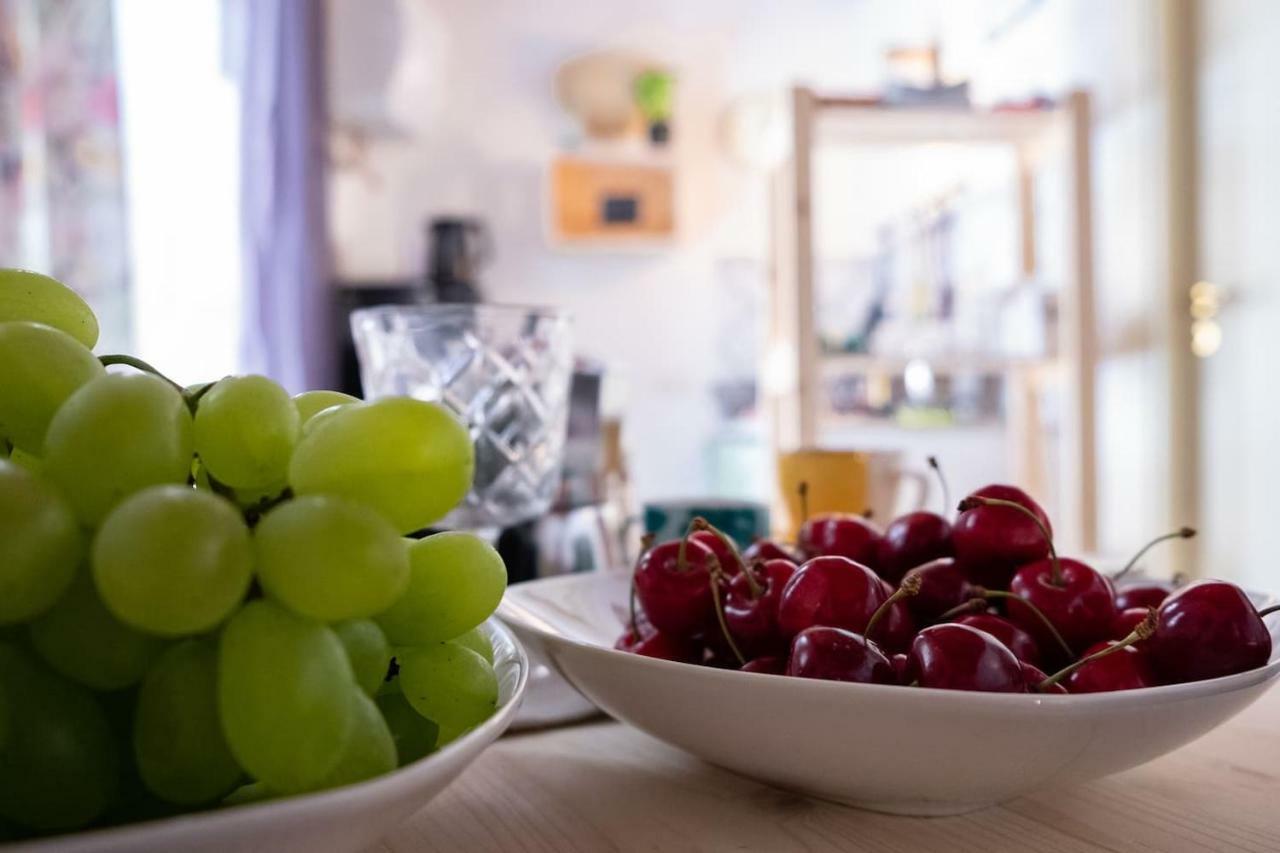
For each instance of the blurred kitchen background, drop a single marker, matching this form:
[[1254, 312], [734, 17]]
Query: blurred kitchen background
[[1031, 237]]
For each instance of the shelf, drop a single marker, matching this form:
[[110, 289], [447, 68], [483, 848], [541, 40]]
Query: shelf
[[870, 125], [944, 363], [835, 421]]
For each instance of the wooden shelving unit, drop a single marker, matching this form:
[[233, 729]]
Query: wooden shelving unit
[[797, 408]]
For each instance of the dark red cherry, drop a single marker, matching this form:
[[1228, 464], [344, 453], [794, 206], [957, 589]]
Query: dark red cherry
[[899, 662], [1016, 640], [1207, 629], [1126, 620], [1142, 595], [767, 549], [751, 607], [991, 542], [1078, 601], [957, 657], [627, 641], [942, 586], [840, 535], [769, 665], [894, 632], [1032, 676], [912, 540], [834, 592], [726, 554], [838, 655], [668, 647], [677, 596], [716, 651], [1127, 669]]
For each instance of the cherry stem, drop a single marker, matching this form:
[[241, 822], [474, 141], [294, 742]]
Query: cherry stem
[[682, 563], [973, 605], [716, 574], [1044, 620], [1180, 533], [701, 523], [1143, 631], [1275, 608], [910, 586], [137, 364], [978, 500], [803, 489], [942, 480]]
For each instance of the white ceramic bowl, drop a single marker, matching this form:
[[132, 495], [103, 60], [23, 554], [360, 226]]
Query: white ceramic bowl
[[891, 749], [344, 819]]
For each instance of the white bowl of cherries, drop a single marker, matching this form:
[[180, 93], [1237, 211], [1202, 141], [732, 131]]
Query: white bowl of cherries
[[933, 667]]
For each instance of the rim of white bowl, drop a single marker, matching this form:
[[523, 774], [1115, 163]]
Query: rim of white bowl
[[491, 729], [1164, 693]]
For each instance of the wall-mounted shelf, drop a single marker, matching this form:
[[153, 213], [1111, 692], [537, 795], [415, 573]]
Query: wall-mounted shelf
[[841, 122], [943, 364]]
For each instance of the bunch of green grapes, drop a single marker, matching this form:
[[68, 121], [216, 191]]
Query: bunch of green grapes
[[206, 593]]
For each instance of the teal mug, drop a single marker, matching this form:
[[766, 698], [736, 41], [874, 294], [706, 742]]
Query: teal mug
[[742, 521]]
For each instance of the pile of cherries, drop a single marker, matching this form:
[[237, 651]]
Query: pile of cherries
[[979, 603]]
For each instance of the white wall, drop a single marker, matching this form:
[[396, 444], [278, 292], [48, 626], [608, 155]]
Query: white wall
[[1239, 413], [472, 85]]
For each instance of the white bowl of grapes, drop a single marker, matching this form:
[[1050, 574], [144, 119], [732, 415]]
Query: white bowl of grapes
[[215, 629]]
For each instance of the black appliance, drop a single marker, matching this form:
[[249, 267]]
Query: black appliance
[[456, 249]]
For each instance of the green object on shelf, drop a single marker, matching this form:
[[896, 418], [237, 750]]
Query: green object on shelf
[[654, 92], [922, 417]]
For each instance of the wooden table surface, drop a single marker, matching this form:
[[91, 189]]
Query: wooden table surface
[[601, 786]]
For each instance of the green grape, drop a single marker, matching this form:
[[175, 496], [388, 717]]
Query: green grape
[[368, 651], [4, 717], [60, 768], [312, 403], [478, 642], [40, 367], [114, 436], [23, 459], [410, 460], [370, 749], [246, 498], [245, 429], [414, 734], [448, 684], [284, 685], [455, 582], [254, 792], [177, 736], [26, 295], [330, 559], [172, 560], [40, 544], [81, 639], [391, 682], [323, 416]]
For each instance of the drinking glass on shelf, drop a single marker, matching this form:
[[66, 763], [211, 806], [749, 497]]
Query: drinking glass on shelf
[[503, 370]]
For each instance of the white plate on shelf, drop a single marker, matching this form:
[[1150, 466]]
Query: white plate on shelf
[[344, 819], [893, 749]]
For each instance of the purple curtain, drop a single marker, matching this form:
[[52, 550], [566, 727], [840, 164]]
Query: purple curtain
[[288, 332]]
